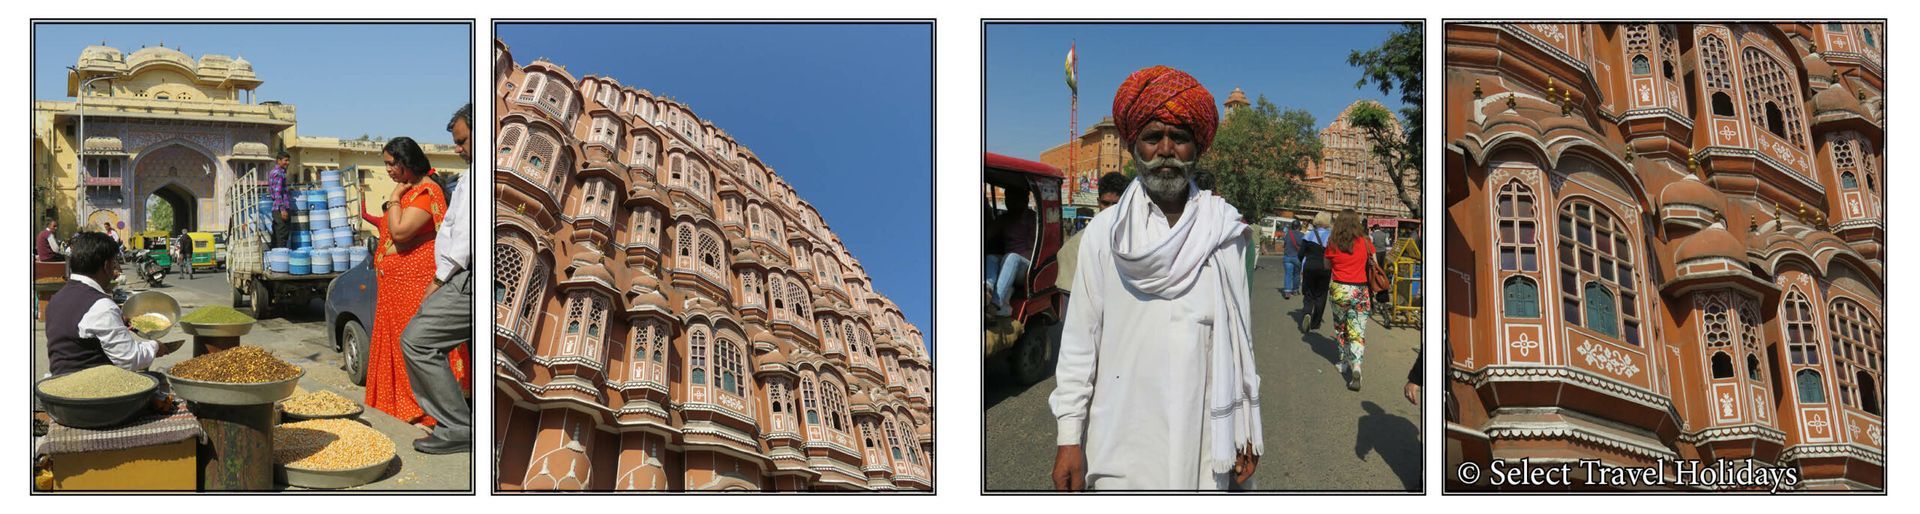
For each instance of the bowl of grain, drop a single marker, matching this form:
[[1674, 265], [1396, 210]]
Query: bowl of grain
[[218, 321], [246, 375], [97, 397], [151, 314], [330, 454], [319, 405]]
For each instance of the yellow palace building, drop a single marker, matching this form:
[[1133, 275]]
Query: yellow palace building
[[158, 125]]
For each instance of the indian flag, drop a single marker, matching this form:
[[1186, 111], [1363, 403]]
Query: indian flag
[[1073, 80]]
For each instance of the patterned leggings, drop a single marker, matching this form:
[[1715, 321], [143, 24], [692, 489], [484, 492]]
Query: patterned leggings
[[1351, 303]]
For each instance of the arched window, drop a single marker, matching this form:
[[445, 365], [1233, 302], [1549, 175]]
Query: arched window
[[1753, 368], [646, 226], [1773, 100], [1803, 348], [1847, 180], [1666, 68], [538, 157], [1857, 351], [807, 395], [1810, 387], [531, 91], [677, 170], [797, 299], [1522, 298], [853, 338], [893, 441], [834, 396], [576, 319], [867, 430], [1775, 124], [697, 355], [710, 253], [777, 396], [1596, 272], [732, 378], [683, 246], [1519, 247], [1641, 66], [1722, 104], [1867, 35], [1722, 365], [1869, 393], [518, 287], [509, 141], [643, 150], [648, 338]]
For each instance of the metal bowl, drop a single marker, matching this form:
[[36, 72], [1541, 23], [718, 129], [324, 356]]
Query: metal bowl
[[217, 330], [153, 302], [336, 479], [222, 393], [96, 412], [295, 416]]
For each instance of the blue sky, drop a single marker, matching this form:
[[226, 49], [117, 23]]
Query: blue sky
[[843, 112], [1295, 65], [346, 80]]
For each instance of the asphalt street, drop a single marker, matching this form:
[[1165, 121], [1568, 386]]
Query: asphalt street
[[1319, 435], [298, 335]]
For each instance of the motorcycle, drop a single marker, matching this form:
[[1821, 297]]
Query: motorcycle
[[140, 263]]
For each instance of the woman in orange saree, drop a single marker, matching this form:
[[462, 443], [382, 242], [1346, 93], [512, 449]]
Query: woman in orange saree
[[403, 268]]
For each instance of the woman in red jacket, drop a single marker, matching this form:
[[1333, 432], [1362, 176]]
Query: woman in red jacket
[[1347, 254]]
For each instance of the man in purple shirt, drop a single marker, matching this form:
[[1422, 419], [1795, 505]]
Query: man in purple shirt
[[282, 202]]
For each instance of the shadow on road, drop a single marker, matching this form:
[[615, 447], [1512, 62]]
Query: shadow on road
[[1000, 382], [1394, 439], [1323, 345]]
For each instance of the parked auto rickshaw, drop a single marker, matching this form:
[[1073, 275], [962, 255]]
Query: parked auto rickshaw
[[1038, 303], [155, 243]]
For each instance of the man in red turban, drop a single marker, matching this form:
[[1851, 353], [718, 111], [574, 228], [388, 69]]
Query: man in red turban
[[1160, 315]]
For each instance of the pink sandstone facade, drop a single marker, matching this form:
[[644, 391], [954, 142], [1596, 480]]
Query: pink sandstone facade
[[669, 316]]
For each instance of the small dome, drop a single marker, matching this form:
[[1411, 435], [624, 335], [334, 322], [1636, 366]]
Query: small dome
[[250, 149], [761, 335], [1713, 241], [1691, 191], [1237, 97], [588, 264], [103, 144], [776, 357], [1817, 67], [100, 54], [1837, 98], [160, 53]]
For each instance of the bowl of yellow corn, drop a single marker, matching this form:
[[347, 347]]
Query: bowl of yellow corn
[[330, 454]]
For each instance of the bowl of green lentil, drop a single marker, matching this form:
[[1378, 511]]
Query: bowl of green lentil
[[217, 321], [247, 375], [97, 397]]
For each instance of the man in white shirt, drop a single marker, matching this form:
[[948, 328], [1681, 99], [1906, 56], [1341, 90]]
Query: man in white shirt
[[446, 316], [1156, 385], [84, 327]]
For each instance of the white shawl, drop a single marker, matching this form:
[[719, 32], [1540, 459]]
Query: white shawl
[[1169, 268]]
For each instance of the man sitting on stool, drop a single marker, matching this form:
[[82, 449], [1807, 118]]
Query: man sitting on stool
[[84, 327]]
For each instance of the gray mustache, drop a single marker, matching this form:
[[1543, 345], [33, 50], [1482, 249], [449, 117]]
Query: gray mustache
[[1166, 162]]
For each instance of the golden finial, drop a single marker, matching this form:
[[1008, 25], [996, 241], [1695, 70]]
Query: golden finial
[[1476, 89], [1693, 160], [1629, 157], [1566, 102], [520, 209], [1550, 95], [1513, 101]]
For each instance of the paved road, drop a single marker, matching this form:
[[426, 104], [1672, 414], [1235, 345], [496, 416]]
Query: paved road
[[298, 336], [1320, 436]]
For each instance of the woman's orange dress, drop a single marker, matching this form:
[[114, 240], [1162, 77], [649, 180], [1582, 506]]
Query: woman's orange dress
[[402, 276]]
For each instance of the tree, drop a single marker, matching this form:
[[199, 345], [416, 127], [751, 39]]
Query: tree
[[1258, 156], [1397, 64], [159, 214]]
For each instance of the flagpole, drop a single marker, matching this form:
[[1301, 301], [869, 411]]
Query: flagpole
[[1073, 125]]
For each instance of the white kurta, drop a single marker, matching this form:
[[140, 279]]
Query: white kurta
[[1132, 375]]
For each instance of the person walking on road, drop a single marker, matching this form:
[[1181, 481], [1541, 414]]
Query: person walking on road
[[1314, 272], [445, 321], [1349, 255], [1290, 259]]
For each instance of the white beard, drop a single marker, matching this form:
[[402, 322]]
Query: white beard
[[1164, 187]]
